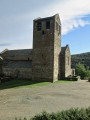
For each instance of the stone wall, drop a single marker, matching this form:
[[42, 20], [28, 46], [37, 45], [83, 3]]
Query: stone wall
[[57, 46], [62, 66], [18, 69], [67, 62], [46, 49], [1, 63], [43, 51], [1, 69], [20, 73]]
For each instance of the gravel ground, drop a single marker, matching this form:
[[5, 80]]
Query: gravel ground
[[26, 102]]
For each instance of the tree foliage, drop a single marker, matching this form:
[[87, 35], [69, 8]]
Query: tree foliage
[[82, 71], [83, 58]]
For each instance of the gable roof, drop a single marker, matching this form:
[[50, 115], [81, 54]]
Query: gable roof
[[1, 58], [63, 49]]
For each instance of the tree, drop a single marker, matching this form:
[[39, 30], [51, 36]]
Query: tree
[[81, 71]]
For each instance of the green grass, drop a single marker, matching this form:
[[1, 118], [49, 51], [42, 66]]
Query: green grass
[[21, 84], [34, 84], [26, 83]]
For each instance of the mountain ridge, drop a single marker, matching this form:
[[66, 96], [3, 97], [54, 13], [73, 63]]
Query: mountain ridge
[[82, 58]]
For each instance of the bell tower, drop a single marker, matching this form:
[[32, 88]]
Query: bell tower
[[46, 48]]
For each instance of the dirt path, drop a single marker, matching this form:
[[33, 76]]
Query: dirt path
[[53, 97]]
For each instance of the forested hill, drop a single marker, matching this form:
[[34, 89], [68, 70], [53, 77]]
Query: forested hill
[[83, 58]]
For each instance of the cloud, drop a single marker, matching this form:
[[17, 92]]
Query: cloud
[[73, 24], [16, 22], [5, 44], [71, 13]]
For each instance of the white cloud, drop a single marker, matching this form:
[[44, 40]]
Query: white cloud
[[72, 24], [71, 13], [13, 26]]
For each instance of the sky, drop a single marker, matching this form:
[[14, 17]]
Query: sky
[[16, 22]]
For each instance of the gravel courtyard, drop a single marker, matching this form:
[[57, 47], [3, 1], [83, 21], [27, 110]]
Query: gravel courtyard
[[26, 102]]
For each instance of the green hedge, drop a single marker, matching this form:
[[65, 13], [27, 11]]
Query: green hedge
[[71, 114]]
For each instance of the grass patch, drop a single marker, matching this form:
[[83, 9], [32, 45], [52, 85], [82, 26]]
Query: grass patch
[[15, 83], [34, 84]]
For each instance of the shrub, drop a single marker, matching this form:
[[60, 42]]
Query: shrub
[[82, 71], [71, 114]]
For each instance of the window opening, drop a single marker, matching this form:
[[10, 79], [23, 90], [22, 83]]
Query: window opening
[[43, 32], [47, 24], [39, 25]]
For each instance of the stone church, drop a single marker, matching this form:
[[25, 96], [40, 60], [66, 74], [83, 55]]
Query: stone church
[[47, 61]]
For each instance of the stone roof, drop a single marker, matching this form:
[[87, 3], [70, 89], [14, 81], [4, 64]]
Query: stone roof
[[21, 52], [46, 18], [1, 61], [1, 58]]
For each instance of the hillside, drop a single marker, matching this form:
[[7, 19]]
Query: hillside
[[83, 58]]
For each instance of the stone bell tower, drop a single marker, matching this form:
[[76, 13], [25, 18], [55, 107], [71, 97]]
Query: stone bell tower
[[46, 48]]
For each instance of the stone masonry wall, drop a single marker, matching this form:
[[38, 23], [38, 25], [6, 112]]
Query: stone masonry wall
[[62, 66], [20, 73], [67, 62], [1, 62], [1, 69], [57, 46], [46, 49], [43, 51]]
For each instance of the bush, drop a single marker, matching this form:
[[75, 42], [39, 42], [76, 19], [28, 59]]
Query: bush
[[82, 71], [71, 114]]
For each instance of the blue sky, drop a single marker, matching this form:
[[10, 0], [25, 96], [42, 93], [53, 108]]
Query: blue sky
[[16, 22]]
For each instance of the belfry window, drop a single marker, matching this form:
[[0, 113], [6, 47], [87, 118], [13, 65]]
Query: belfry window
[[47, 24], [43, 32], [39, 26]]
